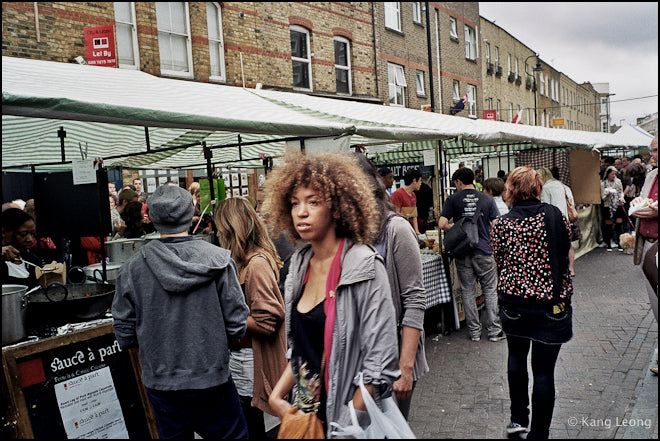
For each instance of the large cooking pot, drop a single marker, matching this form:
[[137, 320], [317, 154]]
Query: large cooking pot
[[94, 272], [14, 309], [120, 250], [65, 303]]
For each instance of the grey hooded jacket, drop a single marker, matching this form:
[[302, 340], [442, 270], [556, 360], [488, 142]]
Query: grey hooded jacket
[[364, 338], [404, 270], [179, 299]]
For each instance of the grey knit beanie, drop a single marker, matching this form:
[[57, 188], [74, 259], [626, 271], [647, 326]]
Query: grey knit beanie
[[171, 209]]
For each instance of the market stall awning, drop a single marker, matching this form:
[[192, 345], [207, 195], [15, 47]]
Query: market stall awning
[[106, 111]]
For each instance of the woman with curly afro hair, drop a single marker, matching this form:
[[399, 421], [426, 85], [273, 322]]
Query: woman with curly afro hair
[[340, 320]]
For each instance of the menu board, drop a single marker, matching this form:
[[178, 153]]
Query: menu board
[[79, 386]]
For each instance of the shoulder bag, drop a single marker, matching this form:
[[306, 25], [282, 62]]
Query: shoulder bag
[[463, 237], [570, 209]]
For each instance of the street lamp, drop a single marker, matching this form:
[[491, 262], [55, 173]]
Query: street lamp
[[608, 111], [537, 68]]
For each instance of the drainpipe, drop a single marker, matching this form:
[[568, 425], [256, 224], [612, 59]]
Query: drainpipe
[[373, 27], [428, 47]]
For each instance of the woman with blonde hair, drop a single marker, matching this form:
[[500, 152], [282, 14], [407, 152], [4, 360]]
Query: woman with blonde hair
[[257, 360], [340, 317], [530, 245]]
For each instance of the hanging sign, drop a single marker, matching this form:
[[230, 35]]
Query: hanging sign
[[100, 46], [490, 114]]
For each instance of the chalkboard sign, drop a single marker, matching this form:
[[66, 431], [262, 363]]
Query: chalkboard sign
[[79, 385]]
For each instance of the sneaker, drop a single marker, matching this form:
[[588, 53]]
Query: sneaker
[[608, 249], [602, 245], [654, 370], [613, 245], [475, 337], [514, 428], [497, 337]]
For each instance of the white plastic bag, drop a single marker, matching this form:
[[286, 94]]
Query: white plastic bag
[[387, 423]]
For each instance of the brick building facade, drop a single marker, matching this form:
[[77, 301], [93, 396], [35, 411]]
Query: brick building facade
[[368, 51]]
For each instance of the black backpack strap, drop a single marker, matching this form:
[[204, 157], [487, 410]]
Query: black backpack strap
[[477, 212]]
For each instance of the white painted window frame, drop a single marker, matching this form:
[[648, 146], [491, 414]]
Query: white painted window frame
[[307, 60], [176, 73], [396, 78], [393, 12], [219, 39], [136, 49], [347, 68], [419, 82]]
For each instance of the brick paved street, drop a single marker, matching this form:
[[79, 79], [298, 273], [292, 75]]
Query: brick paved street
[[600, 376]]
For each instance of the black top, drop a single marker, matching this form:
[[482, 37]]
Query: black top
[[307, 330]]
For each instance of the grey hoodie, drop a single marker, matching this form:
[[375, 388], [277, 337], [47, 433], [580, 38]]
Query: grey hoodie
[[179, 299]]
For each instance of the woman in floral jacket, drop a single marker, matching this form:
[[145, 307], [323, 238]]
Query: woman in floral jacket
[[530, 245]]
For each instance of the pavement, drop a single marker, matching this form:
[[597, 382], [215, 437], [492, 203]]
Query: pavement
[[604, 388]]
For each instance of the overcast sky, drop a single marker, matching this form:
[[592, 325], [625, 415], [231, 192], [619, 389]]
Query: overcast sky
[[600, 42]]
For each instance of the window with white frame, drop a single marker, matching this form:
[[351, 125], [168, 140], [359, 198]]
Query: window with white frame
[[419, 81], [128, 55], [470, 43], [343, 65], [173, 21], [417, 12], [541, 78], [397, 84], [511, 114], [216, 44], [489, 103], [301, 58], [499, 113], [453, 28], [456, 95], [497, 56], [393, 15], [508, 64], [516, 66], [472, 100], [547, 86], [487, 53]]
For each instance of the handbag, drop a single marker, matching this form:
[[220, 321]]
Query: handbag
[[298, 425], [387, 423], [463, 237], [570, 209], [576, 233]]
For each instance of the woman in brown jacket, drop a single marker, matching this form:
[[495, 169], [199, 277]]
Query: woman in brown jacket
[[258, 359]]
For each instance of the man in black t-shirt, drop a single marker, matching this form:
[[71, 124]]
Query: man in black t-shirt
[[480, 264]]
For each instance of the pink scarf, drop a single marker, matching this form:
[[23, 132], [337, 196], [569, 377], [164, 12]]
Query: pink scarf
[[329, 308]]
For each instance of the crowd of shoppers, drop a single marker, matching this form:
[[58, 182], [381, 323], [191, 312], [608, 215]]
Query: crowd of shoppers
[[227, 349]]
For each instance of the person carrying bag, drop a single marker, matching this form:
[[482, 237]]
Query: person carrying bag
[[463, 237]]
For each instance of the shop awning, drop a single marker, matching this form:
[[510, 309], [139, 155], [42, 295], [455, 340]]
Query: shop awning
[[106, 111]]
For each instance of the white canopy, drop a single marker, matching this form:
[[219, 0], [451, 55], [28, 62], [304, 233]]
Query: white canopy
[[106, 111]]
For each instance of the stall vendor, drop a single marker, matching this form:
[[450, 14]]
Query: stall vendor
[[18, 234]]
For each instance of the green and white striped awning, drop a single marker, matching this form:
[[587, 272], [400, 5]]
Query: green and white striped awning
[[106, 110]]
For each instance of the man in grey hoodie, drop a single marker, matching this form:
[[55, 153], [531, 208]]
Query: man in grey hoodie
[[179, 300]]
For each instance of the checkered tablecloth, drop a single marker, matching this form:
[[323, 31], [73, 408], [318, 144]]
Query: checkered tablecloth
[[435, 280]]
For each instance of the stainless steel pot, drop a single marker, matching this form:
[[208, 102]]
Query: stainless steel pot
[[95, 272], [14, 308], [120, 250]]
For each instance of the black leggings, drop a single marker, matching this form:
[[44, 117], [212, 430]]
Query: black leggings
[[544, 358]]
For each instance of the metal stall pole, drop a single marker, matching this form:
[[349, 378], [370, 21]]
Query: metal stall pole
[[61, 133]]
